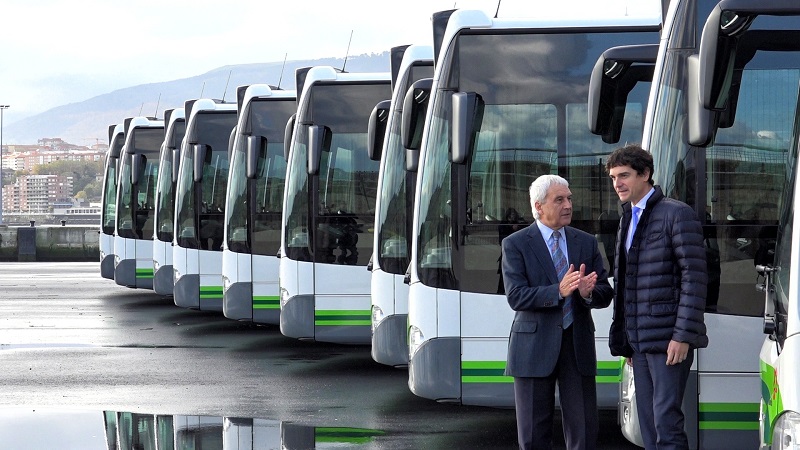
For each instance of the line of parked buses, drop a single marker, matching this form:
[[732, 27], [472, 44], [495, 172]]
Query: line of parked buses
[[368, 208]]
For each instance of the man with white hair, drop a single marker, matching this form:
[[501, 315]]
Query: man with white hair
[[554, 275]]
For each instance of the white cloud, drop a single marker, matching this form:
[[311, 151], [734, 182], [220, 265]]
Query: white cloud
[[113, 44]]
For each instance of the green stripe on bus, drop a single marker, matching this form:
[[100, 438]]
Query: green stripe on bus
[[493, 372], [729, 407], [266, 302], [348, 435], [609, 371], [342, 317], [484, 372], [144, 273], [211, 292], [741, 426], [729, 416]]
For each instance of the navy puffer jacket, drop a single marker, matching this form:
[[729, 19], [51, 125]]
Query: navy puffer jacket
[[665, 277]]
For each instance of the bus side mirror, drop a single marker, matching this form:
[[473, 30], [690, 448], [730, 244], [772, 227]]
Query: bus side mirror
[[253, 152], [288, 135], [376, 130], [617, 71], [700, 119], [138, 162], [176, 163], [415, 108], [467, 111], [717, 53], [199, 153], [317, 137]]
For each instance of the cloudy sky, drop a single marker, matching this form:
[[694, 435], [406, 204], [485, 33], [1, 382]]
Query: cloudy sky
[[56, 52]]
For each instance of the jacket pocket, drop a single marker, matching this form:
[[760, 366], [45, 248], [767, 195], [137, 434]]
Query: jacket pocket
[[524, 327], [663, 309]]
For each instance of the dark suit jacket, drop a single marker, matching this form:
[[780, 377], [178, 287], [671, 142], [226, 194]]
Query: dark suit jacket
[[532, 289]]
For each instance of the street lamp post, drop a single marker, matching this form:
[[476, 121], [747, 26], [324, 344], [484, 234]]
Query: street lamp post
[[2, 108]]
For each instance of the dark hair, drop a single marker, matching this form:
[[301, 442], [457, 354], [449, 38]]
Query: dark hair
[[632, 155]]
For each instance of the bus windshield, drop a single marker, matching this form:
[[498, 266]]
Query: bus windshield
[[136, 202], [740, 188], [533, 89], [204, 206], [344, 195], [263, 201], [397, 194], [110, 195], [165, 196]]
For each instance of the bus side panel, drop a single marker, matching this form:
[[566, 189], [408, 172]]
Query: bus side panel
[[745, 333], [382, 291], [729, 382], [329, 279], [728, 408], [448, 307], [162, 267], [400, 295], [210, 270], [265, 297], [236, 292], [107, 256], [144, 263], [125, 262], [186, 292], [343, 319], [482, 380]]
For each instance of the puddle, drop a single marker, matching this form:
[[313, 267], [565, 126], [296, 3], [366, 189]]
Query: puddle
[[113, 430]]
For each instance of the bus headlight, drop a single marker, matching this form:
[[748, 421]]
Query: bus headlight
[[627, 383], [117, 259], [156, 265], [377, 316], [415, 339], [786, 434], [176, 274]]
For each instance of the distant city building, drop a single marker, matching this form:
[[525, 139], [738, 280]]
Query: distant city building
[[44, 194], [24, 158], [37, 193]]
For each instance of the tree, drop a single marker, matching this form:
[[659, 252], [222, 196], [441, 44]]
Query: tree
[[83, 173]]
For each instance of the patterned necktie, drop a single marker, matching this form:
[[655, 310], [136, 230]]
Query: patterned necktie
[[634, 222], [560, 262]]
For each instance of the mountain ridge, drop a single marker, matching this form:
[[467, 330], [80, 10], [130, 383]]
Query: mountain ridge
[[78, 122]]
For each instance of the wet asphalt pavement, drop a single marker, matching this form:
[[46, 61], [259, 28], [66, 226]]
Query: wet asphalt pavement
[[73, 343]]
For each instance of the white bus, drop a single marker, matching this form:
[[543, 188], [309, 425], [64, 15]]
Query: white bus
[[393, 207], [748, 72], [509, 103], [175, 122], [329, 208], [200, 204], [254, 205], [133, 240], [780, 352], [108, 222], [719, 126]]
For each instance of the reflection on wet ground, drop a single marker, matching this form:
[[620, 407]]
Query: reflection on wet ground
[[216, 382], [112, 430]]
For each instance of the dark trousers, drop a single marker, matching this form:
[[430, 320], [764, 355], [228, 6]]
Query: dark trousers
[[659, 395], [535, 404]]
